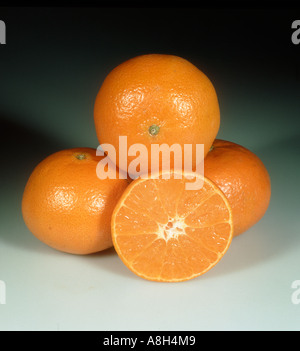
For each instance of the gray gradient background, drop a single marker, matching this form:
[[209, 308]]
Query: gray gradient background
[[50, 71]]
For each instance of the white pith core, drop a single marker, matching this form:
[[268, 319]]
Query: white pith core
[[173, 229]]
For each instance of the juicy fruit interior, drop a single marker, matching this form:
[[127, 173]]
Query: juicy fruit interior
[[166, 233]]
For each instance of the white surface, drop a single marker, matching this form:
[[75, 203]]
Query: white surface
[[249, 289]]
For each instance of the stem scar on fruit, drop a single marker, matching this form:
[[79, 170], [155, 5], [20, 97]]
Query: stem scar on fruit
[[80, 156], [153, 130]]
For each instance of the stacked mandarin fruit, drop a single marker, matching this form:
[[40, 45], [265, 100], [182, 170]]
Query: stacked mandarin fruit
[[161, 228]]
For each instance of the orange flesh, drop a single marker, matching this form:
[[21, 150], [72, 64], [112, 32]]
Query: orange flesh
[[163, 232]]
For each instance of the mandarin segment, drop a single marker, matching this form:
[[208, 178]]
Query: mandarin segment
[[213, 237], [190, 200], [150, 260], [214, 210], [130, 221], [175, 263], [168, 197], [152, 206], [197, 255], [134, 245]]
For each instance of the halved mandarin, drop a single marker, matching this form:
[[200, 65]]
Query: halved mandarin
[[164, 232]]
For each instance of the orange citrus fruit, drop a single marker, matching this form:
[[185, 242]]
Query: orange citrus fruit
[[67, 206], [156, 99], [164, 232], [244, 180]]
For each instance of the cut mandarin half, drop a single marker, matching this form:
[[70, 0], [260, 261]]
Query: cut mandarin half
[[164, 232]]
